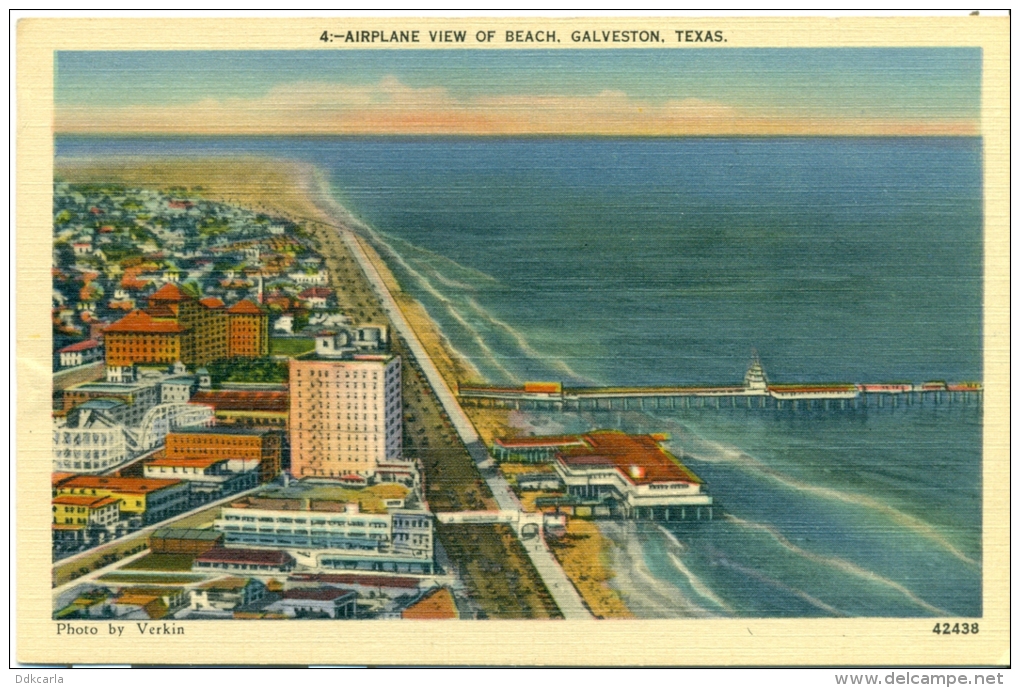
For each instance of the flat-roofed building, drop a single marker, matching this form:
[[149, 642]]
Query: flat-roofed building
[[242, 559], [188, 541], [246, 407], [227, 594], [325, 534], [137, 397], [264, 445], [211, 478], [152, 500]]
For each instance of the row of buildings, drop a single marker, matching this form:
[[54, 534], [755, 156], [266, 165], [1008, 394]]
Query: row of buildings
[[296, 596]]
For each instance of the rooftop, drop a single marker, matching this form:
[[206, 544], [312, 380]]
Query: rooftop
[[170, 293], [91, 502], [140, 322], [261, 557], [101, 404], [243, 400], [189, 462], [130, 485], [244, 307], [186, 534], [640, 458], [438, 603], [229, 583], [544, 441], [224, 430], [211, 302], [367, 580], [322, 594], [80, 346]]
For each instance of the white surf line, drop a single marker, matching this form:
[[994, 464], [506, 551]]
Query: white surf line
[[915, 524], [438, 256], [549, 570], [810, 599], [524, 345], [697, 584], [838, 564], [443, 299], [658, 591], [671, 537]]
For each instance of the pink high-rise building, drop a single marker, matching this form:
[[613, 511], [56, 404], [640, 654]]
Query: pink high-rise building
[[345, 415]]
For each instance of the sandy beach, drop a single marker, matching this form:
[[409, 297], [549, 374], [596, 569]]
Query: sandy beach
[[298, 192]]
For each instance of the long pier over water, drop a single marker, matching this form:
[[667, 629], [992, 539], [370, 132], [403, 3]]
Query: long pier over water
[[756, 393]]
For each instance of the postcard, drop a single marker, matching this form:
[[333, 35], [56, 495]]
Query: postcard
[[543, 341]]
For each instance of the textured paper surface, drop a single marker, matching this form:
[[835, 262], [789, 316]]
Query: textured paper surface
[[853, 641]]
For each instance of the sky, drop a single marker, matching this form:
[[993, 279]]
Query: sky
[[658, 92]]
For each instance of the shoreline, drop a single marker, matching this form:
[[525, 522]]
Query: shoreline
[[300, 192]]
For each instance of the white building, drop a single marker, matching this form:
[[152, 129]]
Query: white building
[[329, 535], [227, 594], [81, 353], [177, 390], [332, 602], [318, 278]]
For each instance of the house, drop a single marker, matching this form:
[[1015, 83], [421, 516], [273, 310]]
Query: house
[[336, 603], [247, 560], [81, 353], [148, 603], [227, 594], [319, 298]]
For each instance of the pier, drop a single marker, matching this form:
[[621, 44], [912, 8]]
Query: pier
[[755, 393]]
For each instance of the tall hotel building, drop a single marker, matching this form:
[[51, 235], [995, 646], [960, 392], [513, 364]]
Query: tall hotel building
[[345, 412]]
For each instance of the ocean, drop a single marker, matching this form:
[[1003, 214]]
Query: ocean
[[666, 261]]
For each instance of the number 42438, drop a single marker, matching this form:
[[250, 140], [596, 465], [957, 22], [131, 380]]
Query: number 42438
[[946, 628]]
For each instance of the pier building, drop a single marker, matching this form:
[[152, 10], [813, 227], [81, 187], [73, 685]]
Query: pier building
[[612, 474]]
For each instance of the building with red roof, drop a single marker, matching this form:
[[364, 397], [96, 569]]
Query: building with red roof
[[611, 473], [335, 603], [154, 500], [178, 327], [437, 603], [239, 559], [80, 353]]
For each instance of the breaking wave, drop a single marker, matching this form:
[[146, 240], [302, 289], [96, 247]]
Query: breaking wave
[[841, 565], [720, 453]]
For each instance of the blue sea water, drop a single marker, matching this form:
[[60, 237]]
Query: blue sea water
[[655, 261]]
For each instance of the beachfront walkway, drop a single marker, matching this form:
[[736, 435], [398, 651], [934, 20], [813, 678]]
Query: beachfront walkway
[[555, 580]]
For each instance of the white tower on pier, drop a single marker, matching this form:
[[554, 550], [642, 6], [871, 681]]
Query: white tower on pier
[[755, 380]]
